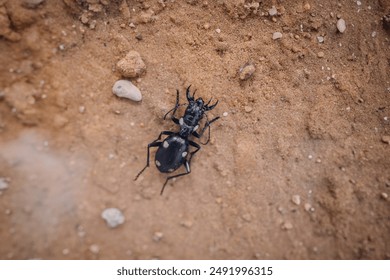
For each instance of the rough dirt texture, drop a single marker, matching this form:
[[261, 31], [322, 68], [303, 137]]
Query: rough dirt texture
[[298, 168]]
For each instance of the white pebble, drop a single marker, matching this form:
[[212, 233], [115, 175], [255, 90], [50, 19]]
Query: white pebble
[[94, 249], [3, 184], [277, 35], [126, 89], [320, 39], [341, 26], [113, 217], [273, 11], [225, 114]]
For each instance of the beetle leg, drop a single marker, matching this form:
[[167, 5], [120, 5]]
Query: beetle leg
[[155, 143], [196, 145], [186, 165], [188, 171], [207, 125]]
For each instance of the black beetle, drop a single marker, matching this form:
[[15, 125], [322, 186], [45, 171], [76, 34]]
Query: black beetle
[[173, 151]]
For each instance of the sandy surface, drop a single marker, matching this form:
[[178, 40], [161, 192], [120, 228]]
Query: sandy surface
[[298, 166]]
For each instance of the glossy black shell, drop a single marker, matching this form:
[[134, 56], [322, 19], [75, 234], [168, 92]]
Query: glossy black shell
[[169, 155]]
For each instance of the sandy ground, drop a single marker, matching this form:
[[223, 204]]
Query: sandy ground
[[298, 166]]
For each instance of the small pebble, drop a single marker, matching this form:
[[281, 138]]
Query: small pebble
[[218, 30], [247, 71], [385, 139], [225, 114], [384, 195], [206, 26], [187, 224], [276, 35], [320, 54], [273, 11], [341, 26], [307, 7], [296, 199], [3, 184], [132, 65], [320, 39], [81, 109], [287, 226], [94, 249], [32, 4], [247, 217], [157, 236], [248, 109], [126, 89], [307, 207], [373, 34], [113, 217]]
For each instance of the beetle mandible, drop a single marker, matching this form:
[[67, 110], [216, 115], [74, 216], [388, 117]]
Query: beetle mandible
[[173, 151]]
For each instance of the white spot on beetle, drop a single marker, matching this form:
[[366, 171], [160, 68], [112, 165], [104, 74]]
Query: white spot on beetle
[[165, 144], [196, 127], [158, 163], [181, 121], [171, 170], [184, 154]]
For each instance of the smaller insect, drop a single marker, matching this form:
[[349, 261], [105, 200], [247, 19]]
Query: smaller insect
[[173, 151]]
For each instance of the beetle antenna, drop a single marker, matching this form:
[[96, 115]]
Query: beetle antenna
[[208, 108]]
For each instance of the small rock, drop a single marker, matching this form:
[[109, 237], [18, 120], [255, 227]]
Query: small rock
[[296, 199], [32, 4], [320, 54], [341, 26], [157, 236], [277, 35], [247, 217], [126, 89], [113, 217], [287, 226], [247, 71], [131, 65], [187, 224], [94, 249], [225, 114], [386, 139], [273, 11], [307, 207], [218, 30], [320, 39], [139, 36], [307, 7], [248, 109], [82, 109], [384, 196], [3, 184]]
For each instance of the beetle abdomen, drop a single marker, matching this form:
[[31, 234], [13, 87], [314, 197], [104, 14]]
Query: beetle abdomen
[[171, 153]]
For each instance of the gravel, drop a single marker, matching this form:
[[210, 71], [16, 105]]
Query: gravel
[[113, 217], [132, 65], [126, 89], [277, 35], [341, 26]]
